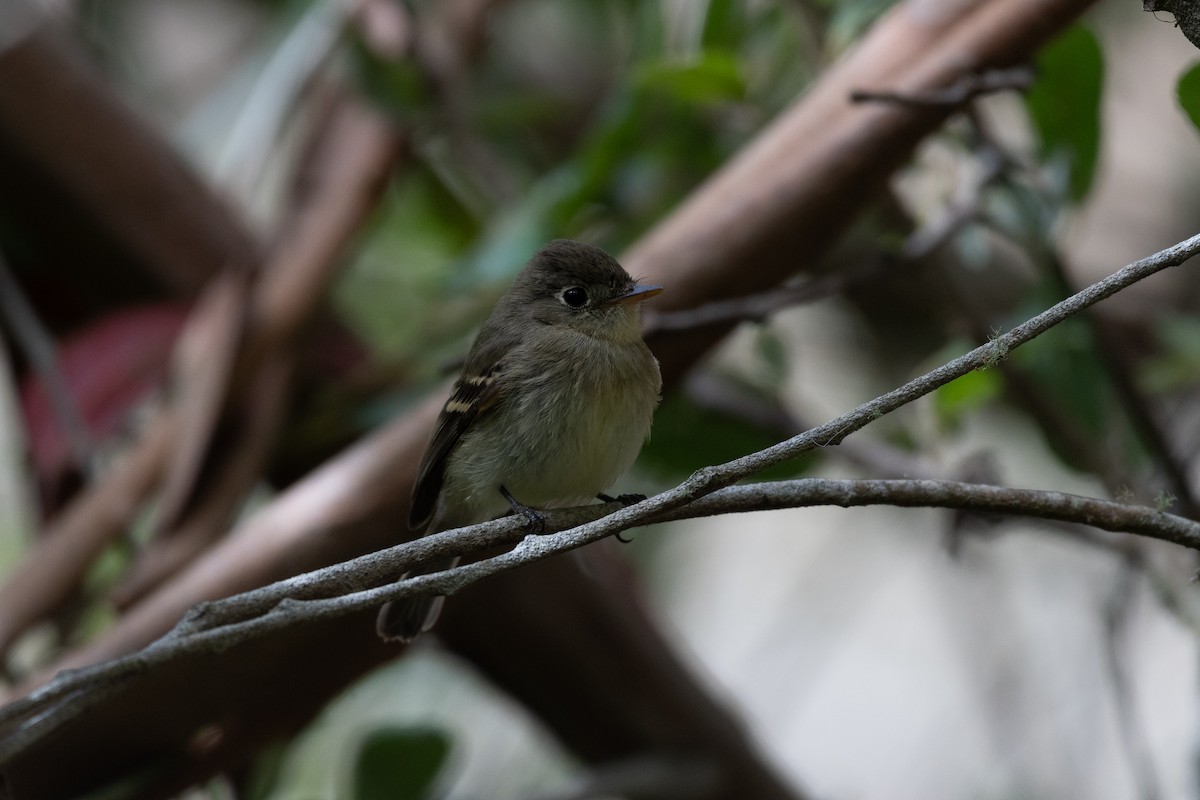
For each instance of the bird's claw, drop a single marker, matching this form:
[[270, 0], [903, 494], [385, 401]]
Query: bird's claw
[[535, 522], [625, 500]]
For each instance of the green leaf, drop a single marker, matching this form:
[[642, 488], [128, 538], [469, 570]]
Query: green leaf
[[1064, 104], [1021, 212], [963, 395], [1188, 92], [775, 356], [398, 88], [714, 77], [1065, 365], [389, 295], [724, 25], [396, 763], [1177, 365]]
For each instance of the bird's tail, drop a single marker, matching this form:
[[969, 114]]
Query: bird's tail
[[406, 619]]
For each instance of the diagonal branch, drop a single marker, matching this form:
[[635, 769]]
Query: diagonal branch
[[710, 479], [353, 586]]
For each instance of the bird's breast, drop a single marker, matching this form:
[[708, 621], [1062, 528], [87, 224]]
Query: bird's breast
[[564, 430]]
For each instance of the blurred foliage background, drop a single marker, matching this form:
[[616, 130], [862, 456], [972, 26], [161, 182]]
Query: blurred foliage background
[[879, 653]]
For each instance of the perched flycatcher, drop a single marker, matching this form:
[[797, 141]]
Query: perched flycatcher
[[553, 405]]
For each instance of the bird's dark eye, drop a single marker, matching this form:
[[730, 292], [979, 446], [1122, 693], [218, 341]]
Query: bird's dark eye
[[574, 297]]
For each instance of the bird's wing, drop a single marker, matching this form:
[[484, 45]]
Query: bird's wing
[[476, 392]]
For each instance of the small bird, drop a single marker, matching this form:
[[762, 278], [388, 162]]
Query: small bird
[[553, 404]]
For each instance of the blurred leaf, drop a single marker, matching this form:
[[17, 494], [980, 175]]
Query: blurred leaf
[[1064, 103], [396, 87], [687, 437], [714, 77], [724, 24], [644, 25], [388, 294], [1065, 364], [966, 394], [653, 143], [972, 247], [265, 772], [1021, 212], [774, 354], [778, 61], [398, 763], [96, 618], [1181, 334], [517, 233], [1179, 363], [1188, 92]]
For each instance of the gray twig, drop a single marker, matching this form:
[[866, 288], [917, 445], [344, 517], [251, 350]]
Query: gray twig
[[353, 586]]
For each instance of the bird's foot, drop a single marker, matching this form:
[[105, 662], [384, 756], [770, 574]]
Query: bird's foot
[[533, 518], [625, 500]]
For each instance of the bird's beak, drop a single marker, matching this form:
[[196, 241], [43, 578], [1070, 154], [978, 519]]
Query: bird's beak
[[637, 294]]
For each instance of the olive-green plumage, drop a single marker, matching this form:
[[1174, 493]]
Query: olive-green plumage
[[553, 404]]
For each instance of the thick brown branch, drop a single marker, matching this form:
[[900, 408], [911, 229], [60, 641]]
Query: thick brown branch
[[115, 165]]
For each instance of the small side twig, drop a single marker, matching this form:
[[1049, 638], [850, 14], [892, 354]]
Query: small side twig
[[750, 308], [38, 345], [967, 203], [918, 245], [963, 90]]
